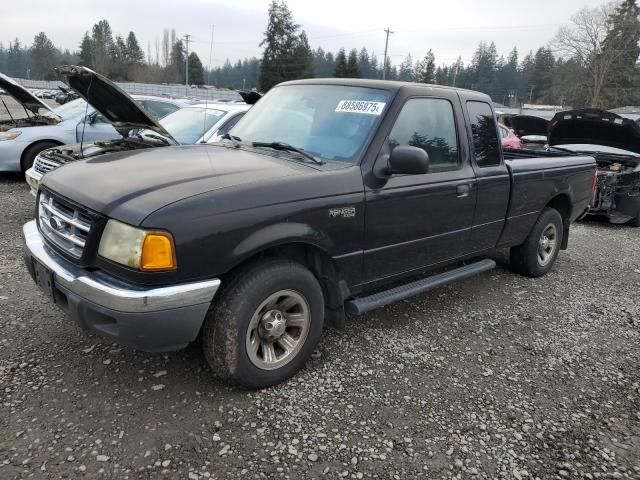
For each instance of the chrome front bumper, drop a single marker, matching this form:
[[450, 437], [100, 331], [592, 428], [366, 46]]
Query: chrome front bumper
[[151, 319]]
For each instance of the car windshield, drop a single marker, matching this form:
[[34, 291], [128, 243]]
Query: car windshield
[[73, 109], [189, 124], [587, 147], [330, 122]]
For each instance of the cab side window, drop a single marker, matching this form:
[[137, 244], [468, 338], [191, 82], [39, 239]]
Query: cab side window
[[484, 129], [429, 124]]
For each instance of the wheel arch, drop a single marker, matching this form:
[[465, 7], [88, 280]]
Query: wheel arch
[[562, 204], [34, 143], [317, 259]]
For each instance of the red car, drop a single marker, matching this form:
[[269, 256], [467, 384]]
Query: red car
[[508, 138]]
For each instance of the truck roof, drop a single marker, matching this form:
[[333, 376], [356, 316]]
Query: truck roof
[[391, 85]]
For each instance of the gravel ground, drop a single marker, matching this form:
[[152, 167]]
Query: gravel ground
[[499, 376]]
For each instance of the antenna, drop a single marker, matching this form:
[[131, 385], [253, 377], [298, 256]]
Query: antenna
[[84, 122]]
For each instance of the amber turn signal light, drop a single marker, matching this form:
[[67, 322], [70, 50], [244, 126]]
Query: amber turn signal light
[[158, 252]]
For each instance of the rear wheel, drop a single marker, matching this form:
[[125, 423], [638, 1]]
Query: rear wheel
[[265, 324], [538, 253], [30, 153]]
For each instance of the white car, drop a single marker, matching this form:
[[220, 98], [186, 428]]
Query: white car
[[198, 123], [21, 139]]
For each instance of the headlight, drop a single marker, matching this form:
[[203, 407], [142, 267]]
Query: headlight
[[145, 250], [9, 135]]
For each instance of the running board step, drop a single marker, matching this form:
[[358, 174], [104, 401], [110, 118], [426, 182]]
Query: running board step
[[358, 306]]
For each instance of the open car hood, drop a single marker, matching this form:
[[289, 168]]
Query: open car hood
[[594, 127], [526, 125], [117, 106], [250, 97], [23, 96]]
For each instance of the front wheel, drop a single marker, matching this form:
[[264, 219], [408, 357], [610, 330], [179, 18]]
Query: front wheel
[[265, 324], [538, 253]]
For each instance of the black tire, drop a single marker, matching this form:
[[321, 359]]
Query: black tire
[[526, 258], [31, 152], [224, 336]]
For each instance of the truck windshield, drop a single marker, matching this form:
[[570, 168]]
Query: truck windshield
[[330, 122]]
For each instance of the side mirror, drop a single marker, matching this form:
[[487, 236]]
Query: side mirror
[[408, 160]]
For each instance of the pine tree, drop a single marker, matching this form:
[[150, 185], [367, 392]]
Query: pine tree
[[341, 70], [352, 64], [43, 57], [622, 46], [177, 62], [281, 43], [543, 64], [364, 64], [103, 46], [302, 60], [426, 69], [407, 73], [134, 54], [86, 51], [196, 71]]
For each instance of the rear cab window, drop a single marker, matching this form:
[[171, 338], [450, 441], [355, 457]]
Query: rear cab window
[[484, 129]]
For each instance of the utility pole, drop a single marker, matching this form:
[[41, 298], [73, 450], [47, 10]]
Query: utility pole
[[531, 93], [210, 53], [386, 46], [187, 38]]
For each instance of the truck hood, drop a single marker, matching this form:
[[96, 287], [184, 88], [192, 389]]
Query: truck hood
[[111, 101], [594, 127], [23, 96], [526, 125], [129, 186]]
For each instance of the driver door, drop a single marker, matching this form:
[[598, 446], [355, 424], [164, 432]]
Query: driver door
[[415, 221]]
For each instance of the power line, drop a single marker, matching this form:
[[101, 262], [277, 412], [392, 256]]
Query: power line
[[386, 46]]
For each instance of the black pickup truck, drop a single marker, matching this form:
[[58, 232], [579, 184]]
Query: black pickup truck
[[329, 198]]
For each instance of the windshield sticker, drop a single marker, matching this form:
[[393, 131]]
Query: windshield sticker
[[360, 106]]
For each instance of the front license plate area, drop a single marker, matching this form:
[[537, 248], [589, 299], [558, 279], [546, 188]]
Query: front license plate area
[[44, 279]]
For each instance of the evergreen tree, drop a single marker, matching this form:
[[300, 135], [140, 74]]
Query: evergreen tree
[[196, 71], [364, 63], [281, 46], [426, 69], [302, 60], [541, 80], [352, 64], [406, 72], [134, 54], [341, 70], [43, 58], [103, 46], [86, 51], [622, 46], [17, 60], [177, 62]]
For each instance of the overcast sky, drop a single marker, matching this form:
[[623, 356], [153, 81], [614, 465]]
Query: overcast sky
[[449, 27]]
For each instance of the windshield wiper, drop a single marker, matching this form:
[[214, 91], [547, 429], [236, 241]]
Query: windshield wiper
[[288, 148], [235, 140]]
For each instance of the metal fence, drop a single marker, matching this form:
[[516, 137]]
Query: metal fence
[[162, 90]]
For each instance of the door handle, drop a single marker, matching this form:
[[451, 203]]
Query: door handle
[[463, 190]]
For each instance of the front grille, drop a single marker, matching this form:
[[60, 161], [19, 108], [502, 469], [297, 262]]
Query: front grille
[[63, 224], [43, 165]]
